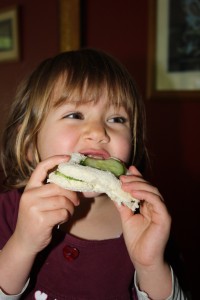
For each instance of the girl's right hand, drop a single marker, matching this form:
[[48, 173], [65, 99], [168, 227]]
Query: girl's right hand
[[42, 206]]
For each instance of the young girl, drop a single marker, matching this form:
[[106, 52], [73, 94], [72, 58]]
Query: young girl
[[81, 101]]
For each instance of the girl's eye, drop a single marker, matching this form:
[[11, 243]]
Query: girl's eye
[[121, 120], [74, 115]]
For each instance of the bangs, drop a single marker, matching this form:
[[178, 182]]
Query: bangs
[[76, 88], [87, 75]]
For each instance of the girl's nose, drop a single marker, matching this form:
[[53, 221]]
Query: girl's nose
[[97, 133]]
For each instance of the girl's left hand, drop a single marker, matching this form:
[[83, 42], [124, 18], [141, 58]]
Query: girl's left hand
[[146, 233]]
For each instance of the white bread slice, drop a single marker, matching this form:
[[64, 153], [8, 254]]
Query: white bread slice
[[87, 179]]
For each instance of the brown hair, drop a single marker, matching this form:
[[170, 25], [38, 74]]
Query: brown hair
[[85, 73]]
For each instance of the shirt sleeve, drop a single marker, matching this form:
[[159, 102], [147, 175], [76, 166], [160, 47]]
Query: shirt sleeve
[[176, 293], [3, 296], [9, 204]]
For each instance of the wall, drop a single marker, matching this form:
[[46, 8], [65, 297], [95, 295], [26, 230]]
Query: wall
[[121, 28], [38, 40]]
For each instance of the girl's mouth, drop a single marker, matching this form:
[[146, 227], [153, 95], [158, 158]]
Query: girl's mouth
[[96, 153]]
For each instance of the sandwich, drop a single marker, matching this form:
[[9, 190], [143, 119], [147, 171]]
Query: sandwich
[[88, 174]]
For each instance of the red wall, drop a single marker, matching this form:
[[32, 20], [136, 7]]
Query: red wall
[[38, 40], [121, 28]]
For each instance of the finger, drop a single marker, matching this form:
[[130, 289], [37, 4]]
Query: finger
[[155, 200], [52, 189], [134, 186], [45, 192], [49, 211], [58, 216], [131, 178], [40, 173], [71, 195], [53, 203], [134, 171]]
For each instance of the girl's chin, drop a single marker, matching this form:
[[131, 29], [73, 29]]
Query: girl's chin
[[91, 194]]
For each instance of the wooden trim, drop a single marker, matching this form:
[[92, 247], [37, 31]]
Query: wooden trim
[[69, 20]]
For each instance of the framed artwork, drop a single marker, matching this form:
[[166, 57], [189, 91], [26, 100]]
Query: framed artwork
[[9, 34], [69, 24], [174, 49]]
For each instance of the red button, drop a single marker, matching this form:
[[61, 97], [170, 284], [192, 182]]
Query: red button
[[70, 253]]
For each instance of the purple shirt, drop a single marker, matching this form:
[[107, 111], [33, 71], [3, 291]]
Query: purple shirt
[[72, 268]]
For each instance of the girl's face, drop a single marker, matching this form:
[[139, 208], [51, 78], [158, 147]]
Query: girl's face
[[89, 128]]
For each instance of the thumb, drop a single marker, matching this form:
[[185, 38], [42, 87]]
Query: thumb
[[41, 171]]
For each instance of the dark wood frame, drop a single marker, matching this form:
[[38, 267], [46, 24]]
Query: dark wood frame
[[152, 93], [11, 13], [69, 25]]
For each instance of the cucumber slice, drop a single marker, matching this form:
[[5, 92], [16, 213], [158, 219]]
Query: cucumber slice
[[111, 165], [67, 177]]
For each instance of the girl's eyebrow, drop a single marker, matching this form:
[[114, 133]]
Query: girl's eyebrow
[[67, 106]]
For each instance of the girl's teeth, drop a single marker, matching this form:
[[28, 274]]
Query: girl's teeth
[[95, 156]]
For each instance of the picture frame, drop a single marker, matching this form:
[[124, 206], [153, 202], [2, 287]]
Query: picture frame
[[173, 58], [9, 34], [69, 24]]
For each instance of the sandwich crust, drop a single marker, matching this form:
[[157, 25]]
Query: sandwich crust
[[73, 176]]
